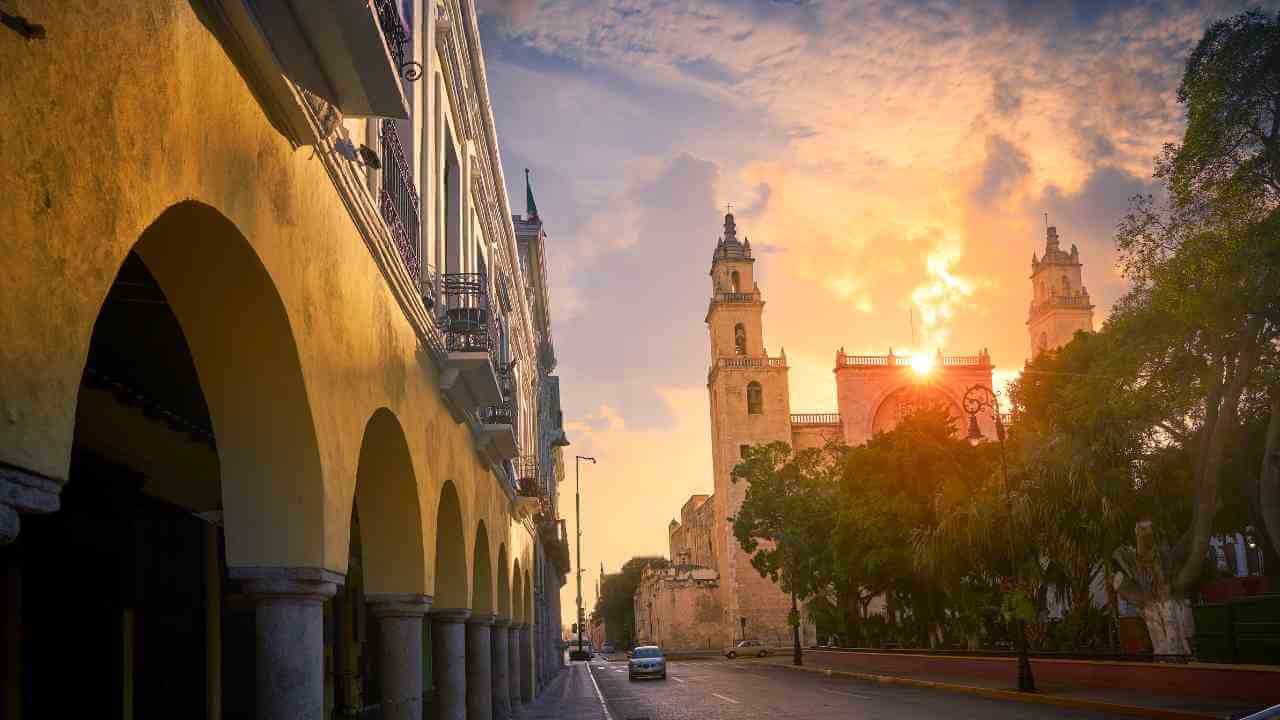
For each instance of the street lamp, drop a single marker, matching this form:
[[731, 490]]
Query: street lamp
[[977, 399], [577, 514]]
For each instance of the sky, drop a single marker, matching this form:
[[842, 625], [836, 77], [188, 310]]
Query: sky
[[891, 161]]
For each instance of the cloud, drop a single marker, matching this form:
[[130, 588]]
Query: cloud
[[1005, 168], [889, 160]]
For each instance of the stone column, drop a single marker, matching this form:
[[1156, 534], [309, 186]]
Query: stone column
[[480, 666], [25, 492], [501, 669], [449, 666], [400, 652], [526, 663], [289, 625], [513, 664]]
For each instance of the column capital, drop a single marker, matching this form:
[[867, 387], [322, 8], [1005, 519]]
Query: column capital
[[398, 604], [450, 615], [297, 583], [501, 622], [518, 625], [482, 619], [27, 492]]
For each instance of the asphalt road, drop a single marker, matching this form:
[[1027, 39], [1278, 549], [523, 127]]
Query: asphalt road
[[717, 689]]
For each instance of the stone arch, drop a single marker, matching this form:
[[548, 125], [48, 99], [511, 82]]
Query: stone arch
[[755, 398], [517, 594], [504, 583], [451, 586], [482, 575], [891, 406], [243, 348], [386, 494]]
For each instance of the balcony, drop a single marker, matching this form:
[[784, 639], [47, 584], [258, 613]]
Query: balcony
[[399, 200], [465, 319], [356, 72], [498, 422]]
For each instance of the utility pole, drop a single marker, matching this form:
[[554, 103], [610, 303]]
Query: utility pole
[[577, 509]]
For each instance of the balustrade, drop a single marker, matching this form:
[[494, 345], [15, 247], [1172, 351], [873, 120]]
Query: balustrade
[[744, 363], [815, 418]]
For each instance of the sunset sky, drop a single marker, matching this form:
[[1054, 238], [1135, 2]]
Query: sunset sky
[[885, 158]]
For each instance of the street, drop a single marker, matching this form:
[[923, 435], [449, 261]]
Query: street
[[716, 689]]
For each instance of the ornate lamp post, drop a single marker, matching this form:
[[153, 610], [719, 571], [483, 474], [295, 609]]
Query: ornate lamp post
[[977, 399], [577, 510]]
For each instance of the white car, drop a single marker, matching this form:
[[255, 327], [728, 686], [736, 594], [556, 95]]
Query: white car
[[647, 661], [747, 647]]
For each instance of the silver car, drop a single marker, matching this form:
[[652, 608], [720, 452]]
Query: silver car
[[647, 661]]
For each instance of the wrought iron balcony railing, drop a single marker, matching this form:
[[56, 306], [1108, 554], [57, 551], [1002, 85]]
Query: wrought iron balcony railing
[[504, 413], [397, 36], [399, 201], [466, 315]]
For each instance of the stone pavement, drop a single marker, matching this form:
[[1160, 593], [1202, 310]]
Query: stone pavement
[[570, 696]]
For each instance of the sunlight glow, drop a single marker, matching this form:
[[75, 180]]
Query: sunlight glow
[[922, 363]]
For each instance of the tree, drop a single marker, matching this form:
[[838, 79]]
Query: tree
[[1201, 320], [617, 591], [785, 517]]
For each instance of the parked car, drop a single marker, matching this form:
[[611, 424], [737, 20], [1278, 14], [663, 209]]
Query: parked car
[[580, 652], [647, 661], [747, 647], [607, 648]]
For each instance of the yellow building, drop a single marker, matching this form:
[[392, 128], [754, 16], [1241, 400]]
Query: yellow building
[[270, 370]]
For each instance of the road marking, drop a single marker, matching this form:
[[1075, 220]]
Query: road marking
[[677, 679], [599, 695], [852, 695], [726, 699]]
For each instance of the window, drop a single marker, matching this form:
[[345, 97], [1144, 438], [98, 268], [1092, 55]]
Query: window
[[734, 281], [755, 398], [742, 450], [740, 339]]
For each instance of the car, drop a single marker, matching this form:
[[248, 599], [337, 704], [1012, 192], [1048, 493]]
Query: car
[[647, 661], [747, 647], [607, 648]]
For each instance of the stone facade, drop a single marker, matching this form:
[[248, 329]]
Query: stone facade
[[679, 608], [1060, 305]]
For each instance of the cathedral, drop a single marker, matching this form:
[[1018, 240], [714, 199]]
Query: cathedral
[[712, 596]]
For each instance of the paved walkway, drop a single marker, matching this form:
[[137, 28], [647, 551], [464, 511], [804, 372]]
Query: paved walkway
[[1203, 706], [570, 696]]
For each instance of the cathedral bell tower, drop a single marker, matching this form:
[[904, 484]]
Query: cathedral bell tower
[[750, 405], [1060, 303]]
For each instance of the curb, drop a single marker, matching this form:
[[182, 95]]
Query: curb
[[1041, 699]]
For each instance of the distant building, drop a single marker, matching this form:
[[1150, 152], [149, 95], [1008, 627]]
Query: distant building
[[714, 595], [1060, 304]]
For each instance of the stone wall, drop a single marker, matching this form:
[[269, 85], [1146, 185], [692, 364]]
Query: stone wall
[[679, 608]]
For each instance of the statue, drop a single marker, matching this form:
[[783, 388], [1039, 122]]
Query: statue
[[1145, 578], [740, 339]]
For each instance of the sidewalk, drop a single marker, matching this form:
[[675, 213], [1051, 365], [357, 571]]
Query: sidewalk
[[570, 696], [1125, 702]]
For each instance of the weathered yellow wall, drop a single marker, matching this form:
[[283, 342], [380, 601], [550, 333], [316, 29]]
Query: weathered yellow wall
[[125, 111]]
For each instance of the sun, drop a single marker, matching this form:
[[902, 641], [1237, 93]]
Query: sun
[[922, 363]]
